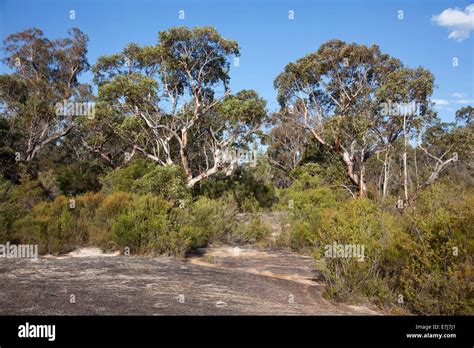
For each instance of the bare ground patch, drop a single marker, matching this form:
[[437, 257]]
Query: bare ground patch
[[220, 281]]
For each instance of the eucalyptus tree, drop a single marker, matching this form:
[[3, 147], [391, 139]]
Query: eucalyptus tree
[[465, 116], [44, 75], [171, 102], [445, 143], [353, 99], [286, 145]]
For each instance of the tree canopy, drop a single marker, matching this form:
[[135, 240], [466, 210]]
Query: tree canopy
[[340, 95]]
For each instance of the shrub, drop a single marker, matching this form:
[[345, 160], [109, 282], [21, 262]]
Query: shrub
[[186, 239], [66, 223], [215, 217], [423, 255], [250, 204], [251, 232], [167, 182], [144, 223], [142, 177], [250, 192], [361, 224], [100, 226], [306, 200], [51, 226], [332, 173], [122, 179], [143, 226], [78, 177], [152, 225], [436, 277], [49, 183], [15, 202]]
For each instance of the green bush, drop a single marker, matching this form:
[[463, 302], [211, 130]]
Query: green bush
[[151, 224], [15, 202], [361, 224], [422, 256], [51, 226], [306, 199], [66, 223], [142, 177], [78, 177], [167, 182], [143, 226], [186, 239], [251, 232], [122, 179], [249, 191], [437, 274], [216, 217], [100, 225], [319, 161]]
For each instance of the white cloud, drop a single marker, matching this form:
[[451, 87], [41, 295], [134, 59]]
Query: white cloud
[[439, 102], [459, 22], [459, 95], [464, 101]]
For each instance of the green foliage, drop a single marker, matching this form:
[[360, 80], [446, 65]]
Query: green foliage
[[50, 225], [251, 232], [215, 217], [78, 178], [151, 224], [318, 161], [143, 226], [209, 46], [238, 111], [249, 192], [306, 177], [167, 182], [144, 223], [305, 180], [307, 208], [437, 278], [30, 94], [414, 257], [67, 223], [306, 199], [99, 221], [122, 179], [142, 177], [465, 115], [354, 222], [9, 168], [15, 202]]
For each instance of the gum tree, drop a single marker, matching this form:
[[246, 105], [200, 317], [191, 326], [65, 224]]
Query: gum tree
[[443, 144], [45, 72], [338, 94], [286, 145], [171, 102]]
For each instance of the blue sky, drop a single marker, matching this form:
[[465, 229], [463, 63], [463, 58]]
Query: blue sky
[[268, 38]]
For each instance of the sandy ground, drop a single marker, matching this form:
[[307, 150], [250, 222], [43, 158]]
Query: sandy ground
[[218, 281]]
